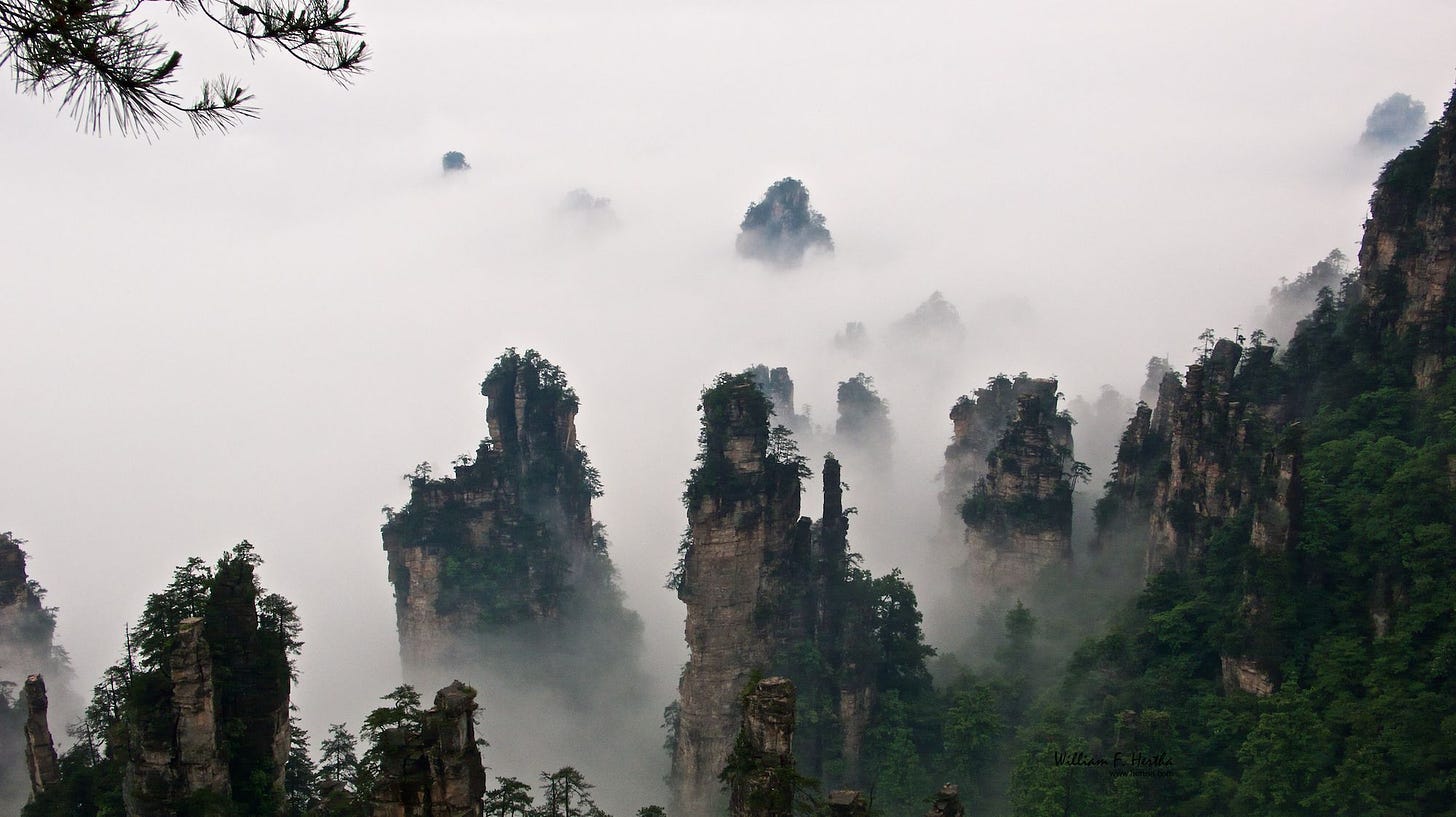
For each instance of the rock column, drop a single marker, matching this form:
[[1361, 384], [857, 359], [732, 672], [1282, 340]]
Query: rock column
[[744, 527], [40, 750]]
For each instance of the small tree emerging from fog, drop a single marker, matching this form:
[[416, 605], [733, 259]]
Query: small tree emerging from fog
[[111, 70], [454, 160], [1204, 348]]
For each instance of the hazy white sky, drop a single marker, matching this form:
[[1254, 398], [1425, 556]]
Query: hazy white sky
[[253, 336]]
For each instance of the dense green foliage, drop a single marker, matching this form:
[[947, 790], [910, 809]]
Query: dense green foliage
[[565, 793], [1360, 626], [252, 637], [1343, 633], [1000, 516], [881, 648], [1355, 624]]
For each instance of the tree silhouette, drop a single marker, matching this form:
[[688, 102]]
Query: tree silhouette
[[565, 794], [111, 70], [510, 798], [404, 711], [338, 759]]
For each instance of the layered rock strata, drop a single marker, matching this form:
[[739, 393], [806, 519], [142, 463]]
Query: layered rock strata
[[195, 756]]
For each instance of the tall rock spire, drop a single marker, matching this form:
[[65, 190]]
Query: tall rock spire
[[40, 750], [771, 592], [508, 539]]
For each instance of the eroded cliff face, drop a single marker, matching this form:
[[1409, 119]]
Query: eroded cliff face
[[1018, 514], [198, 765], [1205, 453], [764, 588], [1406, 256], [761, 780], [1216, 450], [508, 541], [435, 770]]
